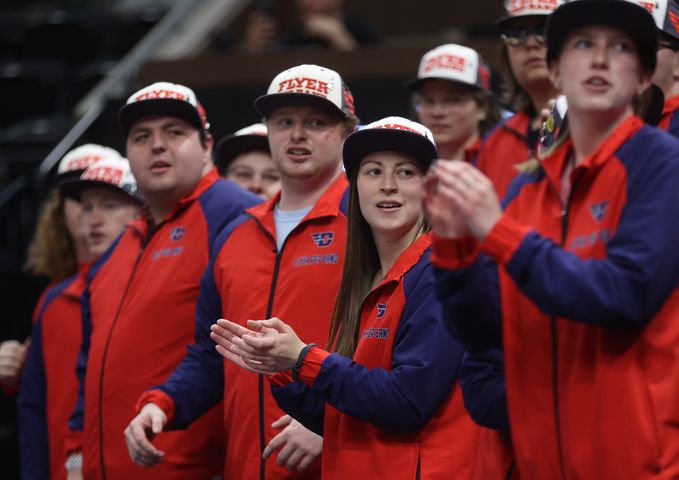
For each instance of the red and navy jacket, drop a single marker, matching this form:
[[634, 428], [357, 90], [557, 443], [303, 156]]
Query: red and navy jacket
[[589, 309], [669, 121], [249, 278], [509, 144], [138, 311], [48, 381], [394, 410]]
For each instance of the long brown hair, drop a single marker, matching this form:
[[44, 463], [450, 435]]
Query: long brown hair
[[361, 264], [52, 252]]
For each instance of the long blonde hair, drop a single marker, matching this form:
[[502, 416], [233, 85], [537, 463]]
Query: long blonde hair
[[51, 252]]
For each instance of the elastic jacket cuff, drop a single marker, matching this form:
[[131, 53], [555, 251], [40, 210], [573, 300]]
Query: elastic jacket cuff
[[160, 398], [453, 253], [312, 365], [73, 443], [504, 239]]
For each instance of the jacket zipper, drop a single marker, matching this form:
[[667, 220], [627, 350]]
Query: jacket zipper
[[105, 354], [269, 309], [555, 343]]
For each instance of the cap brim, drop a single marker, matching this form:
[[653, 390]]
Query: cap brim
[[416, 82], [131, 113], [506, 23], [73, 188], [629, 17], [231, 146], [266, 104], [364, 142]]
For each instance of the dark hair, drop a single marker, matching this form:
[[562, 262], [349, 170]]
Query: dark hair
[[515, 96]]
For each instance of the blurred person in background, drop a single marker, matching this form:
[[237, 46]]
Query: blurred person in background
[[244, 158], [106, 191], [451, 97], [514, 141], [323, 23], [58, 249]]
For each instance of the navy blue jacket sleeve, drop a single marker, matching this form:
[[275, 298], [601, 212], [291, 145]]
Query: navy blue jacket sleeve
[[305, 406], [31, 412], [425, 365], [198, 381], [641, 266], [471, 304], [32, 400], [482, 380]]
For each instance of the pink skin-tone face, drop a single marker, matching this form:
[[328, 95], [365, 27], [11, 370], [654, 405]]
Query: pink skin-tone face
[[306, 142], [256, 172], [599, 71], [166, 157], [390, 186], [105, 214], [450, 111]]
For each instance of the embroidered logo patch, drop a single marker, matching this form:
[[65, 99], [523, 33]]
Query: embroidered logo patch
[[381, 309], [323, 239], [599, 210], [376, 333], [177, 233]]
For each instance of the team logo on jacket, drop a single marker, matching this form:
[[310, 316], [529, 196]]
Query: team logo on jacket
[[381, 309], [177, 233], [376, 333], [599, 210], [323, 239]]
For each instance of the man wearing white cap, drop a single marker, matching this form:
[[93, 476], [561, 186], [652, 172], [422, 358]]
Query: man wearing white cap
[[245, 158], [139, 304], [48, 382], [452, 98], [282, 258]]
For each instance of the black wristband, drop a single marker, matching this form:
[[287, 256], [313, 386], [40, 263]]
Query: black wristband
[[300, 361]]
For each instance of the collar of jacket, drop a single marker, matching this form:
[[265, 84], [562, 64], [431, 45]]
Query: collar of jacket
[[409, 257], [326, 206], [553, 165], [518, 124], [671, 104], [77, 286], [144, 222]]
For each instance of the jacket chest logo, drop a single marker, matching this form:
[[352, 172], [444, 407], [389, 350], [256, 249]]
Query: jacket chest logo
[[323, 239], [381, 309], [599, 210], [177, 233], [376, 333]]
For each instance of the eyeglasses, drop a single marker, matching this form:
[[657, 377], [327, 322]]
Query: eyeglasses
[[519, 36]]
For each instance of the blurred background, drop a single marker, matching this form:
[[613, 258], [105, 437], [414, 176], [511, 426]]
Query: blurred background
[[66, 67]]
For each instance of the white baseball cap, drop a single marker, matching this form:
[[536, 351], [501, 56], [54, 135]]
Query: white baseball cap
[[455, 63], [163, 98], [665, 14], [396, 134], [516, 9], [251, 138], [77, 160], [309, 85], [112, 173]]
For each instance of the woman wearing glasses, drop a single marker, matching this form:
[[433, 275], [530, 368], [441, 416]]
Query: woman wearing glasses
[[529, 90], [451, 97], [586, 256], [386, 401]]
